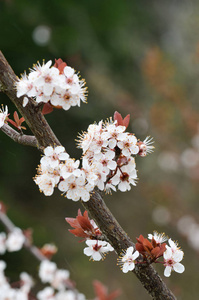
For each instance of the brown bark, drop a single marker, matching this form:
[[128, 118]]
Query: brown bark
[[26, 140], [95, 206]]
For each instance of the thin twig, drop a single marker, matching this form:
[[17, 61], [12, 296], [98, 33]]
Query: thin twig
[[10, 227], [27, 140]]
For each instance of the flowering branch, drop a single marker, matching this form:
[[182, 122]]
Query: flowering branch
[[23, 139], [95, 206], [10, 227], [34, 118]]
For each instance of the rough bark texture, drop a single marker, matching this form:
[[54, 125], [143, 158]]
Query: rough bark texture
[[26, 140], [95, 206]]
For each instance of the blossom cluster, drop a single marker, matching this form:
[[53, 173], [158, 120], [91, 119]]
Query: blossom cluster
[[58, 169], [12, 242], [108, 162], [108, 156], [151, 251], [8, 292], [59, 282], [59, 85], [60, 286]]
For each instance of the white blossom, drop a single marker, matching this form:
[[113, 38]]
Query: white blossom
[[146, 146], [97, 249], [15, 240], [53, 156], [158, 237], [172, 258], [47, 271], [128, 144], [27, 282], [69, 295], [60, 279], [25, 87], [75, 188], [46, 294], [46, 183], [127, 259]]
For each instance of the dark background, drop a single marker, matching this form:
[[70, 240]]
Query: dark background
[[138, 57]]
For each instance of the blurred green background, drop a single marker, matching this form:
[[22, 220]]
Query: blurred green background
[[138, 57]]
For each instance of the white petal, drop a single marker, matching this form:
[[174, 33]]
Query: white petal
[[91, 242], [167, 271], [48, 151], [179, 268], [125, 268], [48, 89], [96, 256], [59, 149], [68, 71], [178, 255], [131, 266], [135, 255], [88, 251]]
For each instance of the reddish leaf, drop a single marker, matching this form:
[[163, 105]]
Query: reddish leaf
[[21, 120], [151, 250], [78, 232], [118, 118], [13, 123], [16, 117], [126, 121], [48, 250], [73, 222], [47, 109], [17, 123], [120, 121], [84, 223], [60, 65], [101, 291], [83, 226]]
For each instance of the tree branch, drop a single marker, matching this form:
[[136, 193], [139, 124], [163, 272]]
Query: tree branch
[[95, 206], [23, 139], [35, 251], [10, 227]]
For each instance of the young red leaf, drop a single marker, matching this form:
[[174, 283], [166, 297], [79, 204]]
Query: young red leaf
[[60, 65], [17, 123], [120, 121], [126, 121], [118, 117], [83, 226], [101, 291], [16, 117], [12, 122], [47, 109]]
